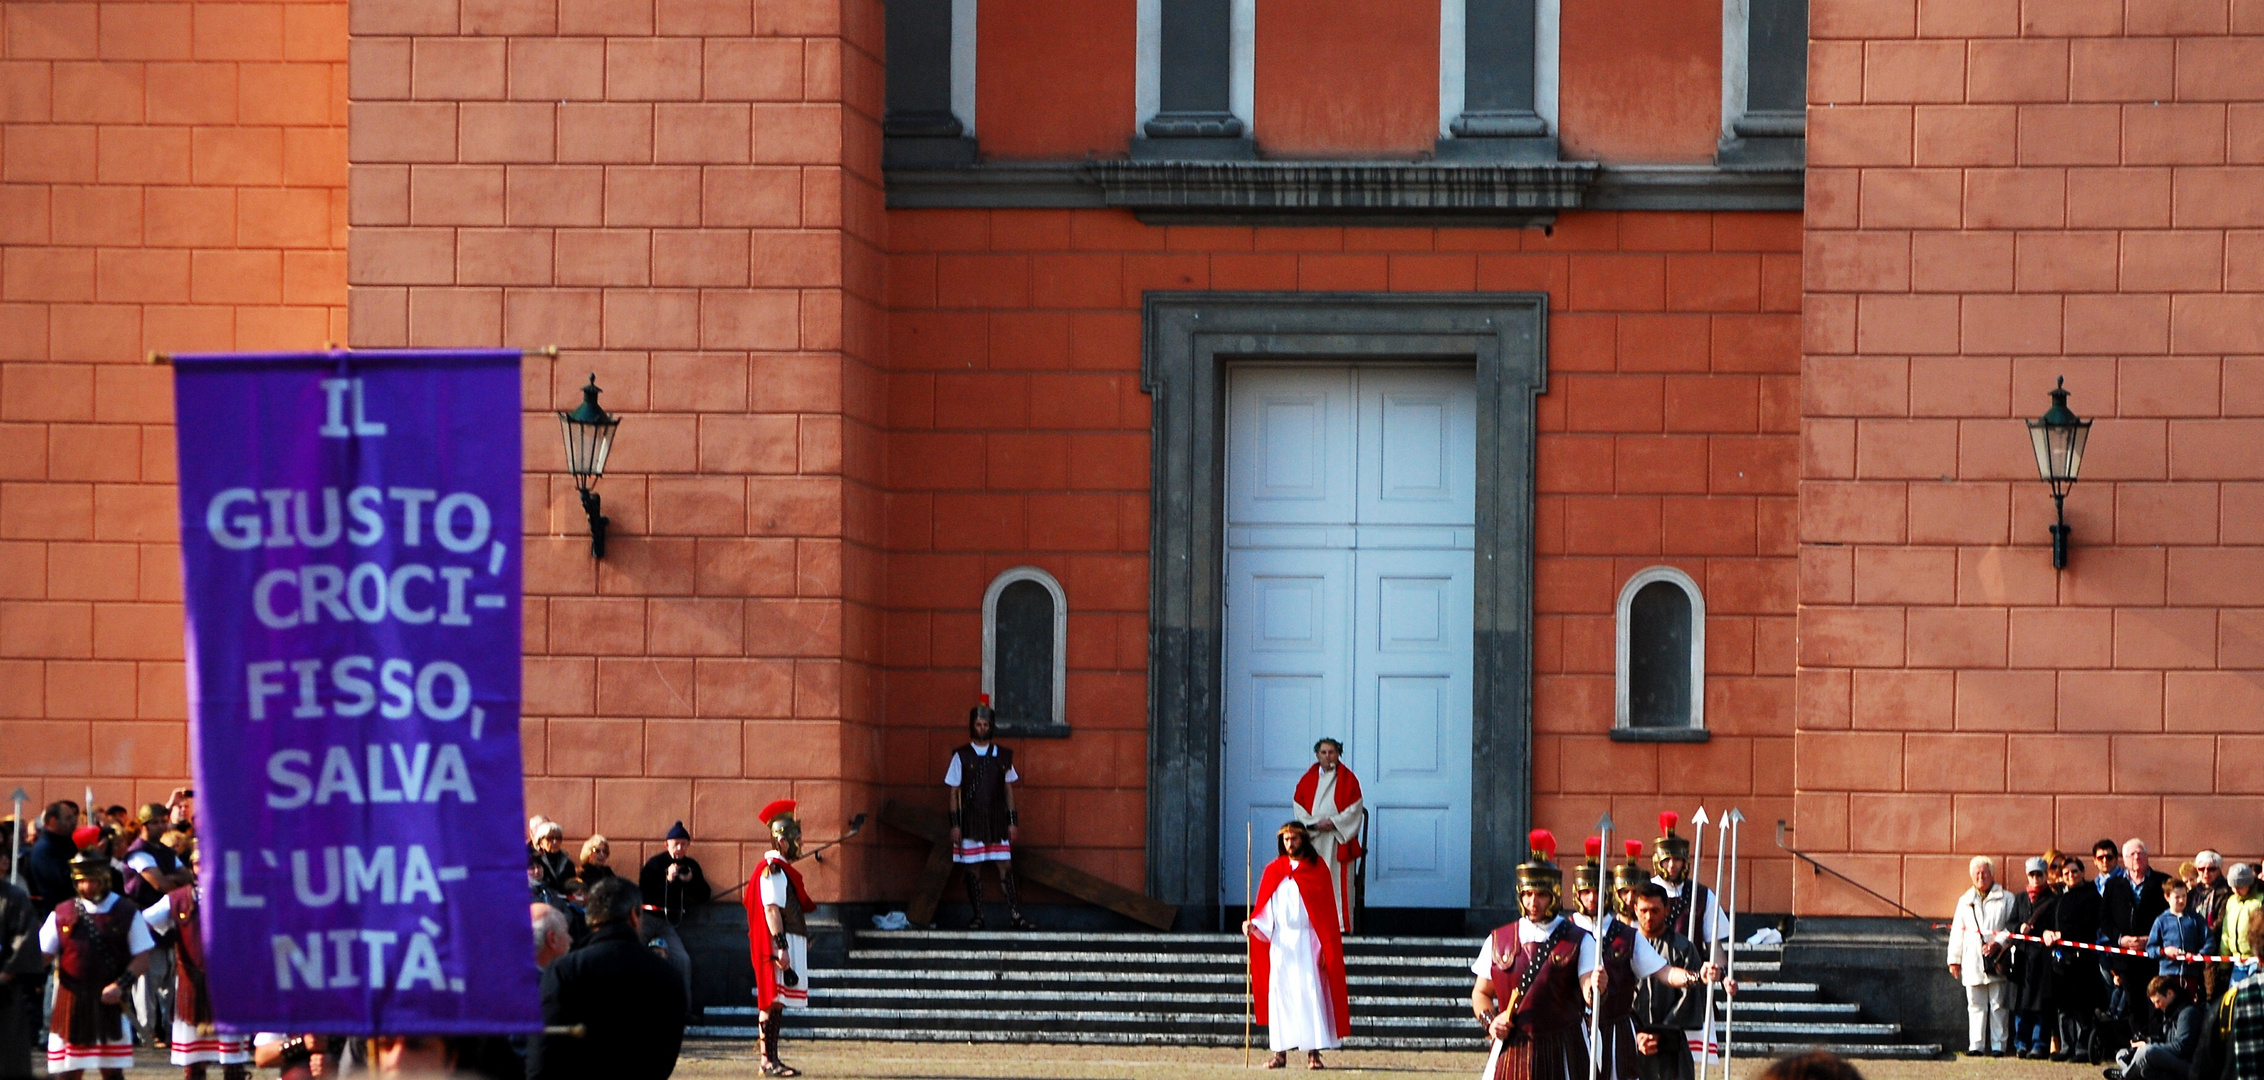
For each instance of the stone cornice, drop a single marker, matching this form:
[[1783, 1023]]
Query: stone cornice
[[1342, 192]]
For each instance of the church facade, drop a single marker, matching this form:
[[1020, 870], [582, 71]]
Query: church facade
[[1573, 409]]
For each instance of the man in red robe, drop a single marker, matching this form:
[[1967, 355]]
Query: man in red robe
[[1533, 978], [1297, 954], [1328, 805], [778, 936]]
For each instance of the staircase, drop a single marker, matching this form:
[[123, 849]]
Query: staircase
[[1187, 990]]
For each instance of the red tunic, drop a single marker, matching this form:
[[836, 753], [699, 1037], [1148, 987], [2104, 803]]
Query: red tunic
[[1541, 982], [1320, 907], [758, 928], [95, 951]]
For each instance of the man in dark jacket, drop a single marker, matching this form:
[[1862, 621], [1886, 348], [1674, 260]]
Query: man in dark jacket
[[2076, 986], [22, 967], [629, 1002], [673, 881], [47, 866], [2130, 902]]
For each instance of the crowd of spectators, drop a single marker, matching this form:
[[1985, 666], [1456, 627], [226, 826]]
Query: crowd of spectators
[[2040, 983]]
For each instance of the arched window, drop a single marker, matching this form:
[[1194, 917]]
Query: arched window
[[1662, 657], [1025, 647]]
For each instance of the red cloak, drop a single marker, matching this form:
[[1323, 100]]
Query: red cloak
[[1347, 792], [758, 927], [1320, 908]]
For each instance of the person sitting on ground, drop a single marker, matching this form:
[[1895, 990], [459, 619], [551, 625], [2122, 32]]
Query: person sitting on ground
[[2169, 1054]]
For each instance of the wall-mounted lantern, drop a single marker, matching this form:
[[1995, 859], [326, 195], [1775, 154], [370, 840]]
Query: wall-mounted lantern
[[2059, 436], [589, 438]]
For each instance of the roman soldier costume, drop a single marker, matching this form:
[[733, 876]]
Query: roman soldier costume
[[196, 1043], [781, 957], [1535, 967], [1619, 956], [983, 813], [95, 943], [1691, 910]]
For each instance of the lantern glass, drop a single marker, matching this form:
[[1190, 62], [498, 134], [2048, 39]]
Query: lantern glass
[[2058, 438], [589, 437]]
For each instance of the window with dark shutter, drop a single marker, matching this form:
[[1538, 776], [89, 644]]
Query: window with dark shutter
[[1025, 632], [1661, 654]]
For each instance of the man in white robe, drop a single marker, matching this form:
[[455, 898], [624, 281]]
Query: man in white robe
[[1297, 955], [1329, 805]]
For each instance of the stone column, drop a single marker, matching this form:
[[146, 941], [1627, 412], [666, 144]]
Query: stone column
[[1194, 119], [1498, 122]]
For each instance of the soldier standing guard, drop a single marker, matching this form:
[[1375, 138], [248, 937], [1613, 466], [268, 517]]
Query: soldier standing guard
[[196, 1043], [1532, 976], [1626, 962], [778, 932], [100, 946], [1690, 906], [984, 824]]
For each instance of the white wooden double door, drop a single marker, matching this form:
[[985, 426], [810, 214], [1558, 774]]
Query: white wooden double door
[[1350, 513]]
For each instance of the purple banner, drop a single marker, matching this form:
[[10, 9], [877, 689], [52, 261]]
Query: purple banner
[[350, 529]]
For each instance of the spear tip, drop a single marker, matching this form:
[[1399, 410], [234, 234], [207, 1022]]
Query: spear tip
[[1700, 817]]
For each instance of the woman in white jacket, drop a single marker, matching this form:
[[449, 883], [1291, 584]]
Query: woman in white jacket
[[1983, 912]]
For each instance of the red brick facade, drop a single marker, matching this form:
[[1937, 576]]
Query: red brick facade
[[843, 420]]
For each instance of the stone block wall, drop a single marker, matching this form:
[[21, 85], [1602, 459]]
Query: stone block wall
[[2002, 193]]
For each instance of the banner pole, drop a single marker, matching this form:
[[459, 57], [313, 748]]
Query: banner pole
[[1249, 981]]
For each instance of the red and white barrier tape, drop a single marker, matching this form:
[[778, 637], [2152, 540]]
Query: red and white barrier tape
[[2190, 958]]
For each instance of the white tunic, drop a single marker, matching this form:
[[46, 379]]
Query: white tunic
[[115, 1051], [779, 893], [1344, 821], [1709, 919], [190, 1046], [978, 851], [1300, 1009]]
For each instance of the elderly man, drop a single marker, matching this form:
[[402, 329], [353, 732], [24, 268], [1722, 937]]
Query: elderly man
[[672, 880], [1983, 912], [2211, 892], [2130, 904]]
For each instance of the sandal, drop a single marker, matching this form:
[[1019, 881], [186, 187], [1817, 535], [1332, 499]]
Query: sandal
[[1313, 1060], [780, 1068], [1278, 1061], [1021, 923]]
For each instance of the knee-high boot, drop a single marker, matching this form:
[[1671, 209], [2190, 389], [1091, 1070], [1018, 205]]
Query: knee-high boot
[[1013, 898], [768, 1037], [236, 1072], [975, 894]]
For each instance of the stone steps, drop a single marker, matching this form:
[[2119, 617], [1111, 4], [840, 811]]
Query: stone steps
[[1408, 993]]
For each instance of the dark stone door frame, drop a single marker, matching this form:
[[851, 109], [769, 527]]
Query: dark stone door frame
[[1190, 337]]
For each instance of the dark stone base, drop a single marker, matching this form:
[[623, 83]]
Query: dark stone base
[[1893, 968], [1537, 148], [907, 152], [1764, 152]]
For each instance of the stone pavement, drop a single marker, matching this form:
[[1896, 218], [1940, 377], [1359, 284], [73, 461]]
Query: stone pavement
[[967, 1061]]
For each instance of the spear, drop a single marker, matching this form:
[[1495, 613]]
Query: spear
[[1603, 924], [1694, 913], [16, 839], [1698, 824], [1732, 828], [1249, 981]]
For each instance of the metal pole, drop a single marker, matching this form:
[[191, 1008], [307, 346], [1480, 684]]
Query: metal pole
[[1603, 924], [1249, 982], [16, 840], [1734, 823], [1698, 918]]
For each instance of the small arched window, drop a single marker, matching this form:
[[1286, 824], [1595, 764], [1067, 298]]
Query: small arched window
[[1025, 650], [1662, 657]]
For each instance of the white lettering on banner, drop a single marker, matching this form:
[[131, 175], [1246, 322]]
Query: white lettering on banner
[[349, 872], [440, 690], [232, 892], [299, 962], [366, 594], [320, 518], [336, 393], [339, 780]]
